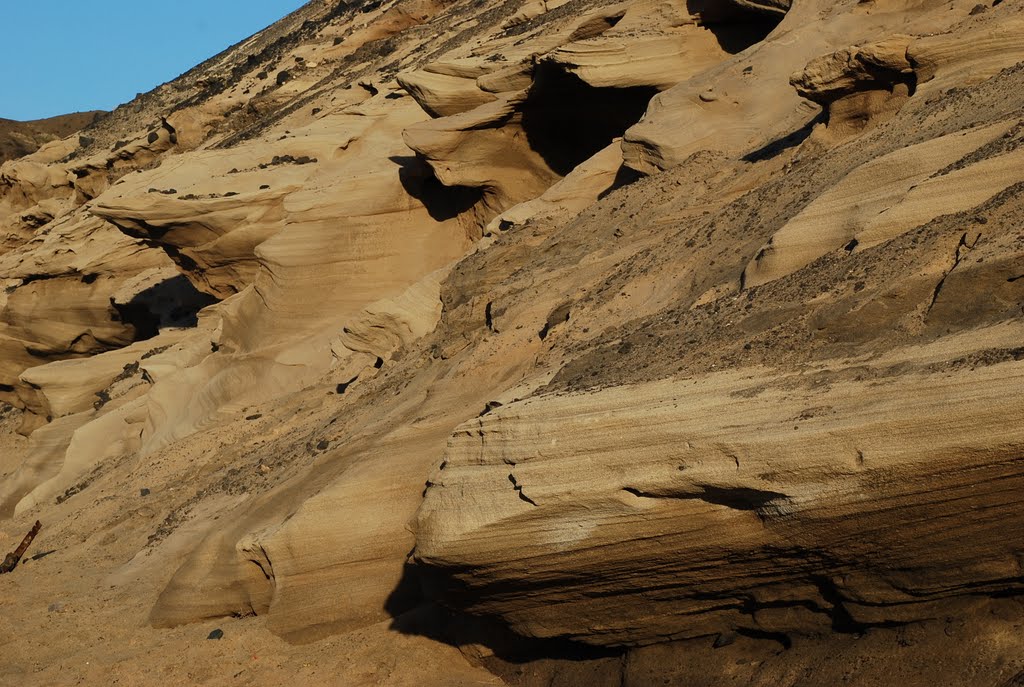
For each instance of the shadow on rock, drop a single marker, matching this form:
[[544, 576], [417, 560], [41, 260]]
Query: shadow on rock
[[516, 659]]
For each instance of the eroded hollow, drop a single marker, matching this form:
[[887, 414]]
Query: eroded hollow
[[739, 24], [442, 202], [567, 121], [174, 302]]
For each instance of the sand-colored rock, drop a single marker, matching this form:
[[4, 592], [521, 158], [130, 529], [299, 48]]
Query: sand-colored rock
[[876, 66], [727, 503], [387, 325], [860, 87], [887, 196], [25, 183], [654, 44], [442, 94], [460, 150], [96, 410], [576, 191], [969, 54], [44, 456], [729, 109], [81, 287], [307, 324], [67, 387]]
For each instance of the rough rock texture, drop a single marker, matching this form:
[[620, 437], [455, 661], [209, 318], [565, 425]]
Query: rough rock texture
[[737, 502], [18, 139], [535, 343]]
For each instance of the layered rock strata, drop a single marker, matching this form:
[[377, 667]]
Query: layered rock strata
[[709, 310]]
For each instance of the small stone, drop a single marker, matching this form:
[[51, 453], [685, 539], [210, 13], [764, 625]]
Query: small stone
[[724, 639], [216, 634], [264, 469], [489, 406], [323, 445], [144, 492]]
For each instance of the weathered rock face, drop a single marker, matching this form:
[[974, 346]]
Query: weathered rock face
[[79, 288], [737, 502], [858, 213], [709, 313], [322, 234]]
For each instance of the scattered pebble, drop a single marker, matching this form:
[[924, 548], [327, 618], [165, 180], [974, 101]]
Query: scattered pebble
[[724, 639], [216, 634]]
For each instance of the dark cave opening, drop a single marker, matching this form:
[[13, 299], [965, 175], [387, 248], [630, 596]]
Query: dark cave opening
[[413, 613], [567, 121], [737, 26], [174, 302]]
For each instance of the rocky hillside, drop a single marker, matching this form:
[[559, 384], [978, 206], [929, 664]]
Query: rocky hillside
[[432, 342], [18, 139]]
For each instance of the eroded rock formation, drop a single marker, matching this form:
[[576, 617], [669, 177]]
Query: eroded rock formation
[[588, 334]]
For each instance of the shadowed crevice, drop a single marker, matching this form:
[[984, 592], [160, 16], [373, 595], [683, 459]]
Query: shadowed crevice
[[442, 202], [174, 302], [568, 121], [737, 25]]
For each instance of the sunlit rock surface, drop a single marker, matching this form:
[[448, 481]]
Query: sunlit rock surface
[[536, 343]]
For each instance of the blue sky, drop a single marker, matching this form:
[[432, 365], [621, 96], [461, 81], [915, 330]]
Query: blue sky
[[64, 56]]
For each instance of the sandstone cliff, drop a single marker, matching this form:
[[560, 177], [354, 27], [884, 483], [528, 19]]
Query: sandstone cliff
[[531, 343]]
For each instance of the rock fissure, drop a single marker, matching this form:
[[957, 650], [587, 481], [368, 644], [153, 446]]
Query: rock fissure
[[962, 248]]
